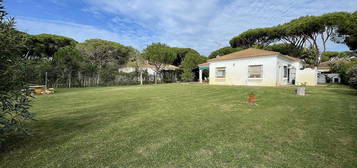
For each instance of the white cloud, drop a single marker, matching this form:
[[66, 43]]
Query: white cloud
[[76, 31], [206, 25]]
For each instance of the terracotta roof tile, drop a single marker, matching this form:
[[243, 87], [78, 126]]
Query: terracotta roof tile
[[250, 52], [147, 65], [291, 58], [325, 64], [204, 64]]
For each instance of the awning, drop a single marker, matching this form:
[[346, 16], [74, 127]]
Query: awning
[[204, 66]]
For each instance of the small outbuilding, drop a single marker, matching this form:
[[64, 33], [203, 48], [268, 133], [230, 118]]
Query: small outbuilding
[[325, 75]]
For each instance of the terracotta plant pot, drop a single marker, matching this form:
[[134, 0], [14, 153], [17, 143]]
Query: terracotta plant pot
[[252, 99]]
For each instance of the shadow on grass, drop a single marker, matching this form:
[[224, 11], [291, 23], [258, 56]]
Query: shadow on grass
[[57, 130], [51, 132], [350, 92]]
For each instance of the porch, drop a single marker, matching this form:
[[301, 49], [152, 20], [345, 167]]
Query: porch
[[203, 72]]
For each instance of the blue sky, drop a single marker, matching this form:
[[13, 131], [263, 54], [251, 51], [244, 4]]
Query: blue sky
[[204, 25]]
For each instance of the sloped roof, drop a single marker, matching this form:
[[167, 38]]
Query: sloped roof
[[147, 65], [204, 64], [291, 58], [250, 52], [325, 64]]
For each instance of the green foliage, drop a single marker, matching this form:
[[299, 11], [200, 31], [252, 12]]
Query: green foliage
[[190, 62], [223, 51], [327, 55], [324, 58], [314, 31], [343, 66], [14, 97], [46, 45], [181, 54], [187, 75], [67, 60], [347, 31], [332, 55], [352, 74], [309, 56], [159, 54], [35, 71], [100, 53], [259, 36], [286, 49]]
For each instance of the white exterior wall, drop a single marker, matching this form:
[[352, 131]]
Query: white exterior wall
[[292, 65], [126, 69], [322, 77], [307, 76], [150, 71], [237, 71]]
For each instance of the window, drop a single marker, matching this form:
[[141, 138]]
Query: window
[[255, 71], [220, 72], [285, 71]]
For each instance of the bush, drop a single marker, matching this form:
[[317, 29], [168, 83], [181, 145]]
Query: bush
[[342, 67], [14, 107], [14, 100], [352, 74], [187, 76]]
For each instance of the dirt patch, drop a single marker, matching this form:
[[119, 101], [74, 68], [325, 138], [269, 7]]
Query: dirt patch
[[345, 140], [152, 147], [204, 154]]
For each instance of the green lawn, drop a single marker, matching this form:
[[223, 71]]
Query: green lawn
[[188, 125]]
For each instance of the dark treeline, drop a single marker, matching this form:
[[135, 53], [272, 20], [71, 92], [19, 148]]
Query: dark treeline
[[94, 62]]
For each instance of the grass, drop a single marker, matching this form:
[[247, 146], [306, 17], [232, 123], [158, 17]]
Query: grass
[[187, 125]]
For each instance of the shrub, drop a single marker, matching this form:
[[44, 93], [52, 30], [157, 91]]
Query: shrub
[[352, 74], [14, 109], [14, 97], [187, 75]]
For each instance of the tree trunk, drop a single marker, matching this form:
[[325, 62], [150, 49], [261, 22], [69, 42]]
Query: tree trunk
[[98, 77], [141, 77], [317, 54], [156, 77], [46, 81], [69, 79], [79, 79]]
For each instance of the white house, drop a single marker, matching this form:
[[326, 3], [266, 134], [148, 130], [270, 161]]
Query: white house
[[150, 69], [258, 68]]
